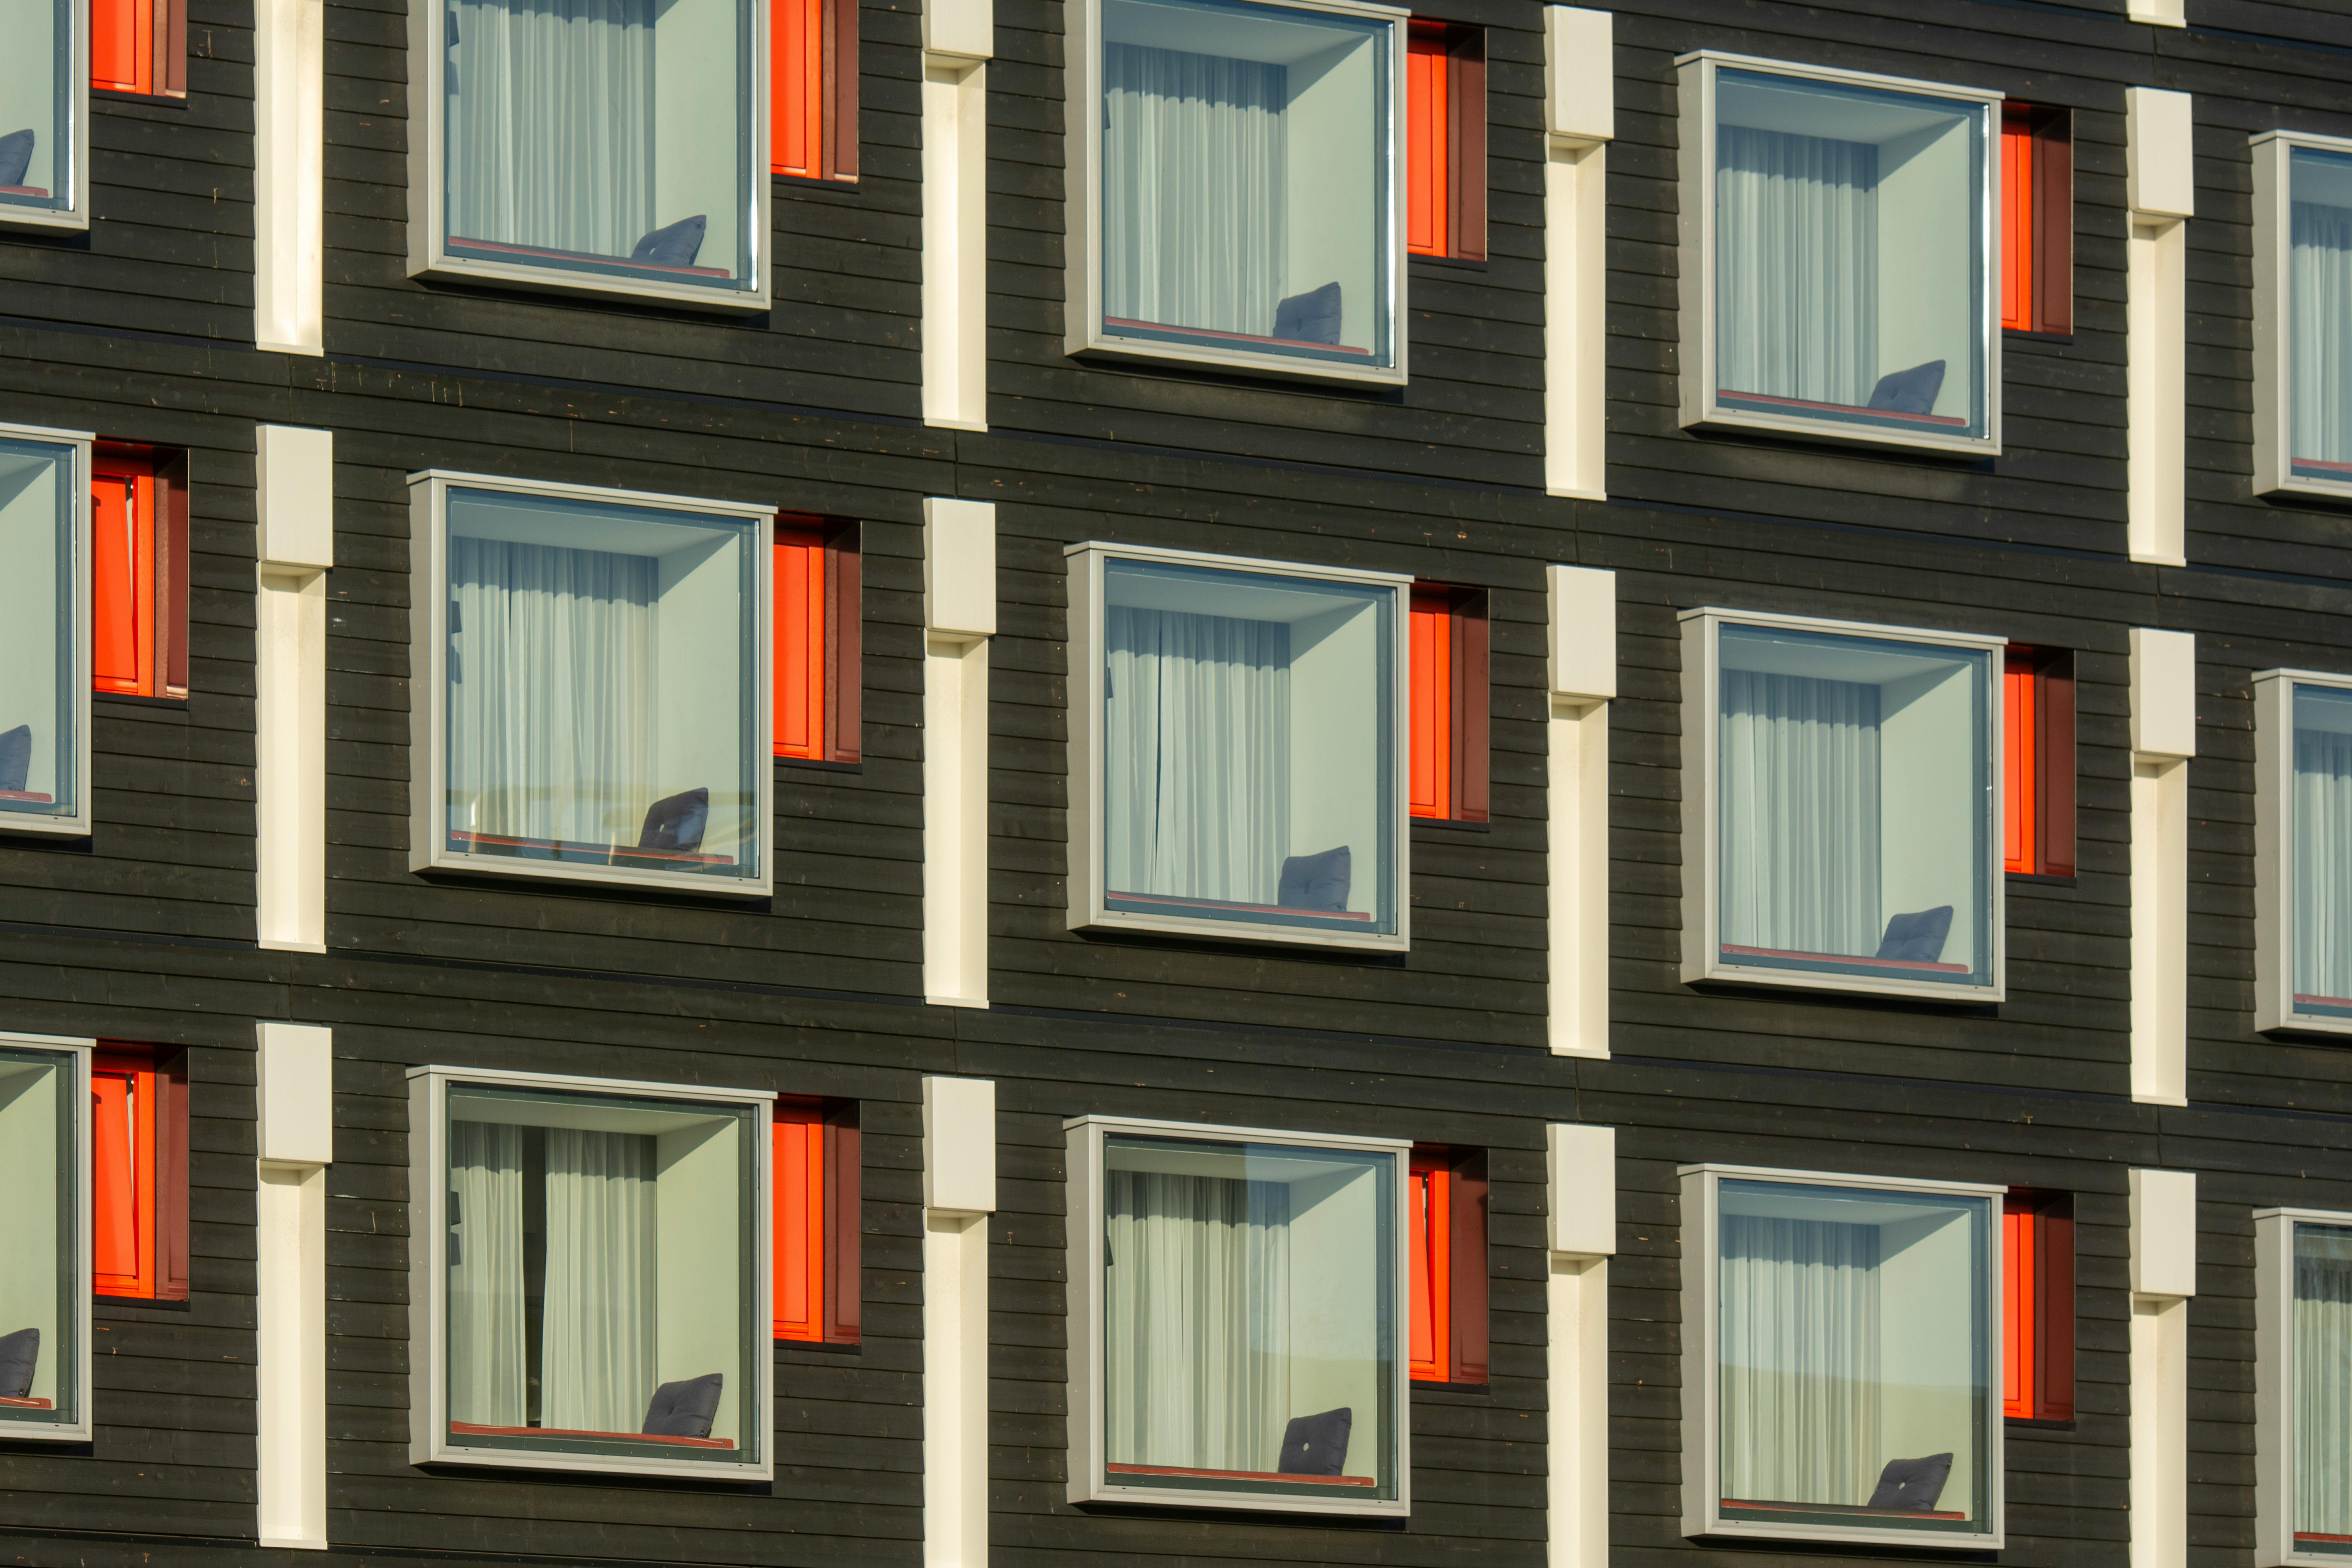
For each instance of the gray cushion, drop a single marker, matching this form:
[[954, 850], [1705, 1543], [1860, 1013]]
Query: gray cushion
[[676, 245], [20, 1353], [1315, 881], [1918, 938], [15, 756], [676, 822], [16, 156], [1309, 318], [685, 1408], [1912, 1486], [1316, 1444], [1909, 391]]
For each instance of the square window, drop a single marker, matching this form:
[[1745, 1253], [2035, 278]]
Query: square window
[[45, 639], [139, 573], [817, 1289], [814, 74], [138, 1181], [2303, 1382], [45, 1128], [2303, 314], [1840, 1384], [594, 146], [599, 659], [1240, 725], [1276, 1255], [818, 612], [1845, 807], [2037, 218], [1449, 703], [139, 46], [44, 153], [1246, 188], [2037, 716], [1445, 141], [2037, 1306], [596, 1277], [1445, 1204], [2303, 844], [1842, 255]]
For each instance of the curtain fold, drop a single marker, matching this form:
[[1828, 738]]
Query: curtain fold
[[553, 730], [1799, 816], [486, 1356], [1799, 1360], [2323, 1403], [1195, 208], [597, 1365], [1196, 1311], [1197, 754], [2319, 331], [1796, 265], [550, 122], [2323, 836]]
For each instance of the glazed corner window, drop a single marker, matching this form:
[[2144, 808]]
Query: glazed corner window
[[44, 1096], [817, 1289], [139, 46], [2037, 1306], [44, 89], [812, 71], [1842, 255], [45, 632], [2037, 218], [1242, 160], [1847, 807], [1239, 725], [818, 610], [2303, 1348], [2303, 314], [596, 146], [2037, 717], [1445, 1206], [1842, 1384], [139, 1173], [1445, 141], [1271, 1256], [2302, 760], [139, 573], [600, 663], [598, 1280], [1449, 703]]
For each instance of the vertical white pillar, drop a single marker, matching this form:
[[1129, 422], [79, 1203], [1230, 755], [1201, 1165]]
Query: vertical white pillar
[[2161, 196], [289, 155], [958, 618], [1581, 1204], [297, 1141], [959, 1194], [1583, 680], [295, 504], [958, 40], [1580, 118], [2163, 1279], [2163, 738]]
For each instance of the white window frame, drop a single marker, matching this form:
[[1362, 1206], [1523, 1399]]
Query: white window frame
[[74, 217], [1088, 907], [429, 1439], [1702, 1499], [2273, 300], [2277, 861], [2274, 1387], [1085, 1137], [77, 1256], [1084, 333], [428, 251], [1703, 957], [1700, 406], [76, 823], [428, 796]]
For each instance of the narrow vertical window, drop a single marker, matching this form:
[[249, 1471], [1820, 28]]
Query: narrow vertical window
[[140, 46], [1449, 704], [1445, 141], [139, 573], [812, 73], [139, 1143], [2037, 220], [2038, 1307], [45, 1099], [1447, 1208], [816, 677], [44, 637], [2038, 762], [815, 1257]]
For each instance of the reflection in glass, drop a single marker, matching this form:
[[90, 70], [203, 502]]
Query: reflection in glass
[[1850, 266], [2319, 313], [2322, 1394], [2322, 874], [1855, 1356], [1855, 782], [1248, 747], [1245, 178], [1249, 1332], [42, 1281], [36, 107], [600, 1293], [39, 708], [601, 685]]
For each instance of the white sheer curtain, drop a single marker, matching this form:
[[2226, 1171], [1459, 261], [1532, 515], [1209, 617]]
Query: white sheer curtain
[[2319, 328], [1195, 202], [1799, 1360], [487, 1359], [597, 1365], [1796, 265], [2323, 1398], [1799, 814], [1197, 749], [1196, 1313], [2323, 879], [551, 714], [550, 122]]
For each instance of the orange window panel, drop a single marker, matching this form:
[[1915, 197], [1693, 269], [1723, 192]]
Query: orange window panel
[[1431, 746], [123, 1181], [799, 1203], [122, 579], [122, 45], [799, 679], [796, 39], [1430, 1201], [1428, 119], [2017, 204], [2021, 766], [2019, 1320]]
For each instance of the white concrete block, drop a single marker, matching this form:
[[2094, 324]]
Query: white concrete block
[[1583, 633], [959, 567], [2163, 692], [960, 1145], [2164, 1232], [964, 28], [1581, 1192], [295, 501], [2161, 169], [296, 1093], [1579, 73]]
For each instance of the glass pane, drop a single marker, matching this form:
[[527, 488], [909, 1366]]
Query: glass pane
[[601, 136], [600, 685], [37, 121], [1856, 806], [1248, 747], [40, 1287], [40, 749], [1245, 178], [2323, 1389], [2322, 874], [1849, 263], [602, 1275], [1249, 1330], [1855, 1357], [2319, 319]]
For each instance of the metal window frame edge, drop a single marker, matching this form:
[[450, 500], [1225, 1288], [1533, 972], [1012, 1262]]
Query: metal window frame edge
[[80, 823], [74, 217], [78, 1051], [2275, 858], [2271, 199], [2274, 1386]]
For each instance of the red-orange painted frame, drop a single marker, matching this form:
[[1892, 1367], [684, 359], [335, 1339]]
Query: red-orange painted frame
[[2038, 762], [2038, 1307], [1446, 1205], [1445, 141], [139, 1176], [2037, 218], [815, 1252], [817, 672], [139, 572], [813, 84], [139, 46], [1448, 745]]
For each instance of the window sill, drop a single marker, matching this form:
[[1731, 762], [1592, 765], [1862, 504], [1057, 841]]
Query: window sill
[[151, 100], [134, 699], [2047, 878], [1432, 1386], [826, 764], [1718, 418], [450, 269], [1463, 263], [2038, 1423], [1238, 361], [2037, 335], [814, 182]]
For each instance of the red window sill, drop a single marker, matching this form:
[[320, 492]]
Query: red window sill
[[28, 1403], [470, 1429], [1277, 1476], [1173, 902], [1234, 337], [1862, 1509], [602, 854], [1943, 419], [1901, 964], [545, 254]]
